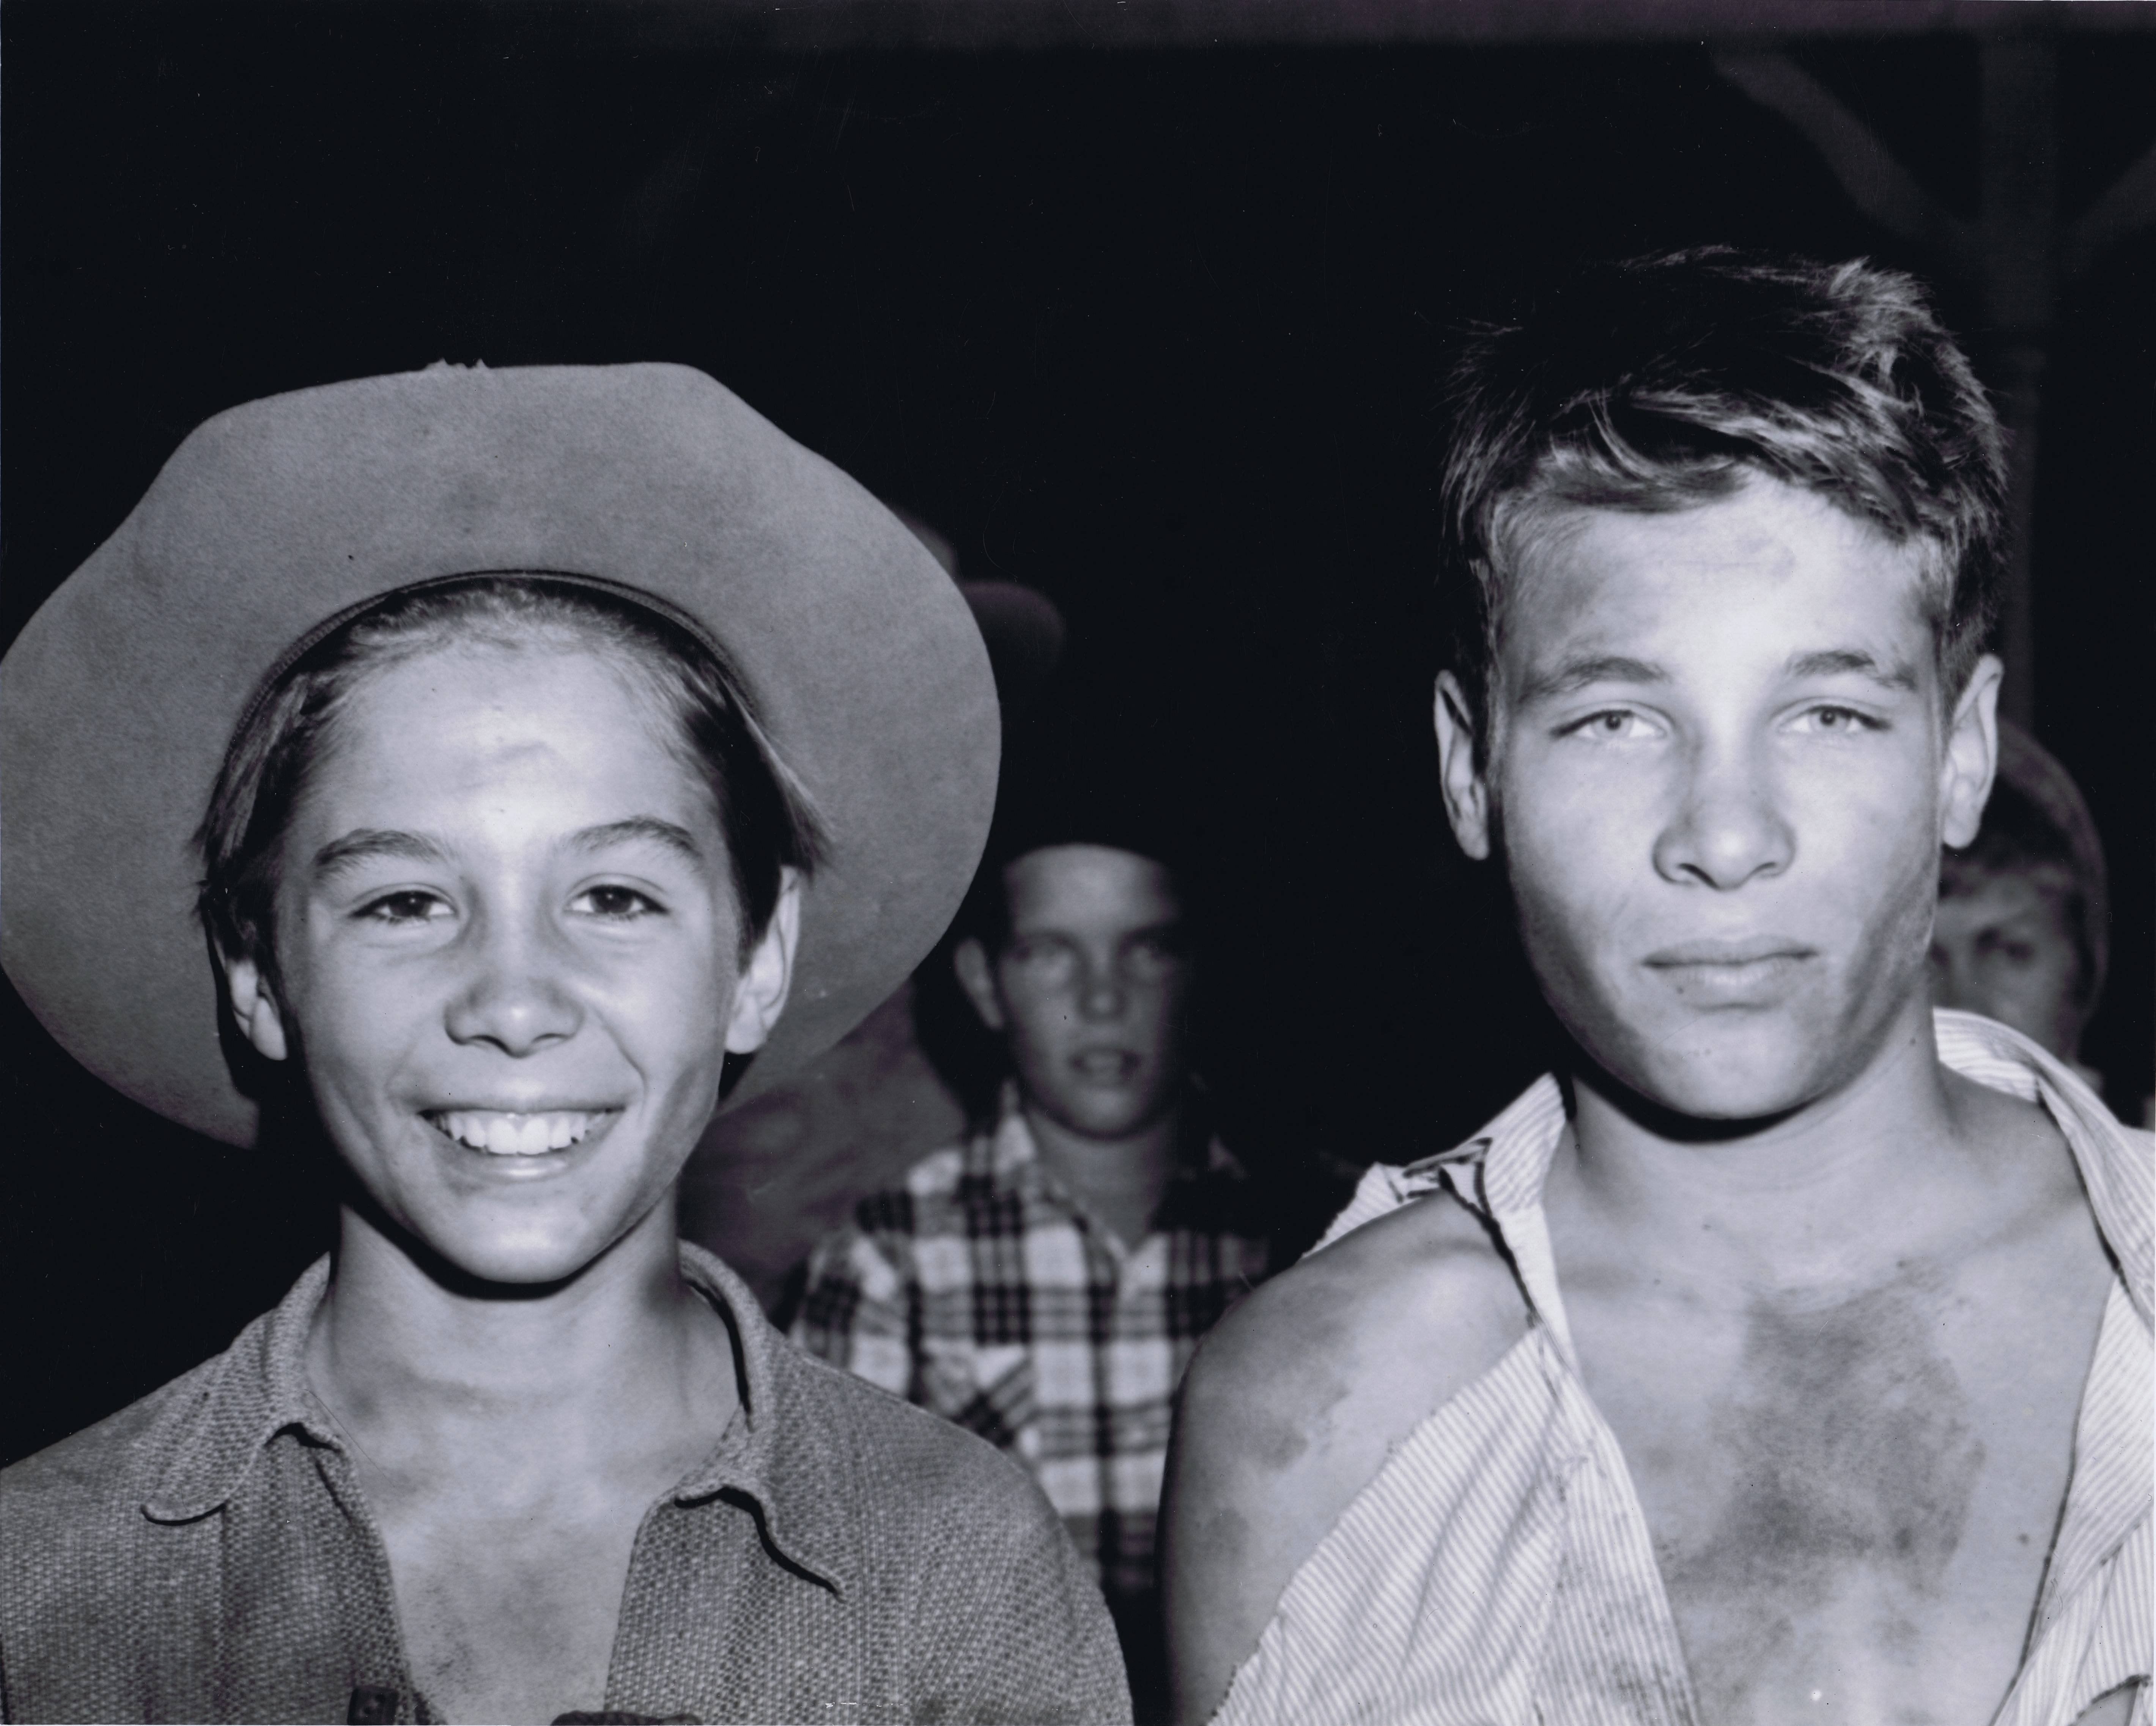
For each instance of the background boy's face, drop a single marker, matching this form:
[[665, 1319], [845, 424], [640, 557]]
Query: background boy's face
[[2004, 946], [1089, 988], [1720, 773]]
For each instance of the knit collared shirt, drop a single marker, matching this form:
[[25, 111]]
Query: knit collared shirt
[[207, 1555], [983, 1290], [1499, 1568]]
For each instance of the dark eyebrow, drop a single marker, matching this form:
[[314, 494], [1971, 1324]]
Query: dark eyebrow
[[649, 828], [1601, 668], [363, 843], [1836, 662]]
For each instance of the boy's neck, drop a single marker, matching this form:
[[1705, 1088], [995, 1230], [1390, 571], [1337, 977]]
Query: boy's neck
[[422, 1374], [1122, 1181], [1821, 1196]]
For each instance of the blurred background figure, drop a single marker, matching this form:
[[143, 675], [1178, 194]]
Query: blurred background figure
[[773, 1177], [1045, 1282], [2023, 935]]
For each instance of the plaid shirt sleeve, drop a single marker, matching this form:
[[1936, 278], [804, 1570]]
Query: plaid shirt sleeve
[[857, 1312]]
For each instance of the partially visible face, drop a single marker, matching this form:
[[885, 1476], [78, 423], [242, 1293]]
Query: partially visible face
[[508, 945], [1721, 774], [1090, 987], [2003, 946]]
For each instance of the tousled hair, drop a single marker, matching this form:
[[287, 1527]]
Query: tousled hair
[[767, 818], [1665, 382]]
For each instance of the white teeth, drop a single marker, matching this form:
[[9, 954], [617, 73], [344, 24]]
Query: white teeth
[[501, 1135]]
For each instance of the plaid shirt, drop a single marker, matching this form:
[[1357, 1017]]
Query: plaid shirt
[[983, 1290]]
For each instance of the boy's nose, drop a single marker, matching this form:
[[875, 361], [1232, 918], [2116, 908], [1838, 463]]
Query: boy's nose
[[1727, 830], [514, 999], [1102, 992]]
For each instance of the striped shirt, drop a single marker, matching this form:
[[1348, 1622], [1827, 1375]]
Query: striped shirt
[[1499, 1568], [980, 1288]]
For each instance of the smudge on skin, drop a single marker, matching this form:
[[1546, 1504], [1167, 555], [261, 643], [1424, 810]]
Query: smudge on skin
[[1278, 1439], [1856, 1457]]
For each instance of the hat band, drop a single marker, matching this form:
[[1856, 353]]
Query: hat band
[[321, 632]]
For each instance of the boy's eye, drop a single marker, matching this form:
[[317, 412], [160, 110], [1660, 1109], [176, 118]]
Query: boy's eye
[[1151, 956], [409, 906], [619, 903], [1840, 721], [1615, 724], [1045, 960]]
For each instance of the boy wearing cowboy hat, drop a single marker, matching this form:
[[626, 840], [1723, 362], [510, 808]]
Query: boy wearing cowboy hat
[[1786, 1356], [566, 737]]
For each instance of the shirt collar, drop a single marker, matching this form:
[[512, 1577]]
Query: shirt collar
[[2116, 1169], [258, 1388], [1010, 1146], [777, 1451]]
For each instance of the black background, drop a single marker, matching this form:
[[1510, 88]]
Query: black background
[[1155, 330]]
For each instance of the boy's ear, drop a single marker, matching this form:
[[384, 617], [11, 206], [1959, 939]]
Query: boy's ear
[[977, 976], [1972, 753], [254, 1006], [1467, 791], [760, 997]]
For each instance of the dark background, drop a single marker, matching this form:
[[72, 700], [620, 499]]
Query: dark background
[[1154, 328]]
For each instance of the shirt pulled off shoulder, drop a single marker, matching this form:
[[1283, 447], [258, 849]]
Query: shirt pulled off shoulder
[[1498, 1570]]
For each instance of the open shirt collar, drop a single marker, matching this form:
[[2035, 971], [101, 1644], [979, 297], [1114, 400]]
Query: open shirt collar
[[258, 1390]]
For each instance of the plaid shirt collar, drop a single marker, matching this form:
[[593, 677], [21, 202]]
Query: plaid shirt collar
[[1008, 1155], [259, 1389]]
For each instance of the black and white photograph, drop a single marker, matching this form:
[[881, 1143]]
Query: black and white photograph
[[1244, 862]]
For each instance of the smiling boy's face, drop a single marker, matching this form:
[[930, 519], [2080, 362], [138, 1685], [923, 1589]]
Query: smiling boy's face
[[507, 946], [1719, 771]]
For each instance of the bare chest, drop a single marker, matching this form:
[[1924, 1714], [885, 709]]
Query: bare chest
[[509, 1613], [1852, 1502]]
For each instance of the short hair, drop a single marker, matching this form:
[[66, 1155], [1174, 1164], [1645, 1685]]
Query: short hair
[[767, 818], [985, 915], [1664, 383]]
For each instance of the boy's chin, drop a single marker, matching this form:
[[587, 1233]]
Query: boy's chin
[[1705, 1086], [514, 1261]]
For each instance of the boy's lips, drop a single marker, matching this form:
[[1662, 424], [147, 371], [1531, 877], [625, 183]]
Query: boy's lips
[[1105, 1066], [1741, 950], [518, 1133], [1750, 971]]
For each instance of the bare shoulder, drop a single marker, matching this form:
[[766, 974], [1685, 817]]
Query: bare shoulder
[[1295, 1400], [1389, 1321]]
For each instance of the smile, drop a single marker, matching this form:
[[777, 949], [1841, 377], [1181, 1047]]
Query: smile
[[500, 1133]]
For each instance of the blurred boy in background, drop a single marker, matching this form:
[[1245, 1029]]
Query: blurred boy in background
[[2023, 935], [1045, 1282]]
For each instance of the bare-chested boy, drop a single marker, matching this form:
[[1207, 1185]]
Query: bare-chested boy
[[1843, 1412]]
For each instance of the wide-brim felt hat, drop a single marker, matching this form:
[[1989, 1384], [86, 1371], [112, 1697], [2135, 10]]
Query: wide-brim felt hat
[[275, 518]]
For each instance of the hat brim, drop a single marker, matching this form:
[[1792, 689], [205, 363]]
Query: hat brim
[[118, 699]]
